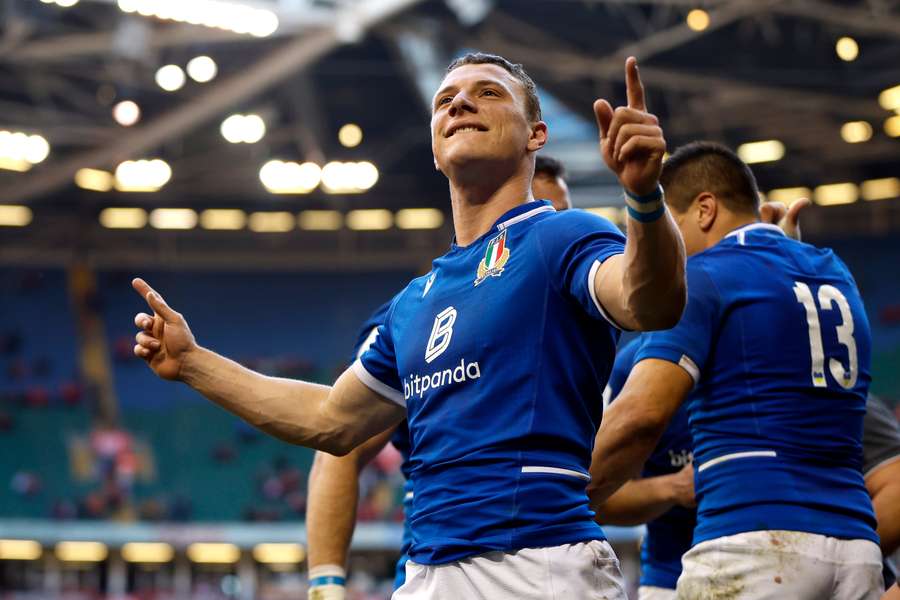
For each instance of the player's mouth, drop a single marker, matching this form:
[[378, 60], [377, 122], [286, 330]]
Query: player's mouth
[[464, 128]]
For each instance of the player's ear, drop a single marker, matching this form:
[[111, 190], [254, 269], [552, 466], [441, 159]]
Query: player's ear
[[707, 210], [538, 137]]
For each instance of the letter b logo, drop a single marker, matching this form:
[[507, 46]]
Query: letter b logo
[[441, 333]]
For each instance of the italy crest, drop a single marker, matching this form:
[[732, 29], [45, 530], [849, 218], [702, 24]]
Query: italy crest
[[495, 258]]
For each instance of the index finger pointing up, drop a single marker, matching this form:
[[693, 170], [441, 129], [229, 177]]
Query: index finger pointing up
[[633, 85], [155, 301]]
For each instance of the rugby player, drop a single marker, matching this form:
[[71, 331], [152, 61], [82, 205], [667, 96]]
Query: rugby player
[[495, 358], [334, 480], [774, 349]]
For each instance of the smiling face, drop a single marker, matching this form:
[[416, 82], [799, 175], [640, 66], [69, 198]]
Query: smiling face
[[479, 116]]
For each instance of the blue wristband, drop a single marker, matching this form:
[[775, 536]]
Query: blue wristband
[[327, 580], [647, 217], [656, 194]]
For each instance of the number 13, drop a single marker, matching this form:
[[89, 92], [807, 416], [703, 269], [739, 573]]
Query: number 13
[[828, 297]]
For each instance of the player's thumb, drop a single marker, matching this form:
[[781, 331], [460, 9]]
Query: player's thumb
[[604, 115], [793, 213], [772, 212]]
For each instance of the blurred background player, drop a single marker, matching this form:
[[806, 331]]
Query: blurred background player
[[576, 269], [333, 492], [775, 345]]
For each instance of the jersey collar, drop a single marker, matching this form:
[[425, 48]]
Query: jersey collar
[[515, 215], [740, 231]]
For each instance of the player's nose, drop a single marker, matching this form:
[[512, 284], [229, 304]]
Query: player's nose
[[462, 103]]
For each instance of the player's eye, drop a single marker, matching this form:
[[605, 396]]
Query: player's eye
[[444, 100], [489, 93]]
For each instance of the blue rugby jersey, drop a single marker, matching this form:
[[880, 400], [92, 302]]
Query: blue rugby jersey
[[500, 356], [777, 341], [399, 439], [668, 536]]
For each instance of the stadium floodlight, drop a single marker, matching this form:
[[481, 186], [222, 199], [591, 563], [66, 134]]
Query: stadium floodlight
[[760, 152], [320, 220], [20, 550], [350, 135], [230, 16], [279, 553], [287, 177], [348, 177], [373, 219], [147, 552], [223, 218], [788, 196], [246, 129], [889, 99], [836, 193], [892, 126], [142, 175], [698, 19], [20, 151], [81, 551], [855, 132], [126, 113], [123, 218], [880, 189], [847, 49], [271, 222], [613, 213], [173, 218], [213, 553], [95, 180], [202, 69], [419, 218], [14, 215], [170, 78]]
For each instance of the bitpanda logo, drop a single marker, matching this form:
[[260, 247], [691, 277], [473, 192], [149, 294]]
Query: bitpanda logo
[[679, 459], [438, 342]]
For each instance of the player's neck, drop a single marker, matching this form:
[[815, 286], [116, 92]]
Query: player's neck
[[478, 204], [727, 223]]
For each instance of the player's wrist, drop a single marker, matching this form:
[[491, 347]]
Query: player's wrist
[[327, 582], [645, 207]]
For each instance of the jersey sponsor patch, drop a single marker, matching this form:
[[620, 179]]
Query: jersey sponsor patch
[[495, 259]]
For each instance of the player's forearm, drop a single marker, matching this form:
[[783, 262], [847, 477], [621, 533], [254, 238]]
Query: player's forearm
[[293, 411], [654, 292], [331, 508], [886, 503], [638, 501]]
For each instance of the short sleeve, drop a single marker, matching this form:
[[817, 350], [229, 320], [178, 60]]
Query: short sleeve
[[881, 436], [688, 343], [377, 366], [574, 245]]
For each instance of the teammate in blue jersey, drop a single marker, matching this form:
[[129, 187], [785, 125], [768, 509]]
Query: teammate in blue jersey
[[334, 480], [663, 496], [497, 358], [774, 350]]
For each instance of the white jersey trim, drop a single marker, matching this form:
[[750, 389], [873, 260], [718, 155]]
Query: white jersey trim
[[556, 471], [377, 386], [741, 231], [592, 275], [525, 215], [408, 495], [691, 367], [883, 463], [727, 457], [607, 396]]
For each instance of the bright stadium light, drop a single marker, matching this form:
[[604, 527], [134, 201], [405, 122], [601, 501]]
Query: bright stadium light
[[173, 218], [889, 99], [123, 218], [320, 220], [230, 16], [223, 218], [419, 218], [847, 49], [170, 78], [20, 550], [374, 219], [892, 126], [36, 149], [880, 189], [15, 215], [759, 152], [855, 132], [20, 151], [279, 553], [95, 180], [126, 113], [836, 193], [350, 135], [271, 222], [147, 552], [287, 177], [348, 177], [202, 69], [243, 129], [142, 175], [213, 553], [81, 551], [698, 19]]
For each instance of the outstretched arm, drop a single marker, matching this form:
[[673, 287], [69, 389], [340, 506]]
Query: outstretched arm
[[642, 500], [334, 419], [644, 288]]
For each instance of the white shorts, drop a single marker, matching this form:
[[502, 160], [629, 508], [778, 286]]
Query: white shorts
[[778, 565], [651, 592], [583, 571]]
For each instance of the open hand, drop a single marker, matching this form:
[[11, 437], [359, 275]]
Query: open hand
[[164, 339], [631, 140]]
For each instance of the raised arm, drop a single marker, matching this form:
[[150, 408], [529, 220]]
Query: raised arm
[[633, 424], [644, 288], [334, 419]]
